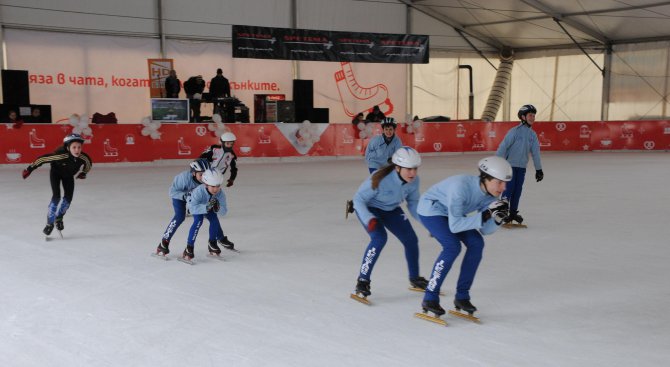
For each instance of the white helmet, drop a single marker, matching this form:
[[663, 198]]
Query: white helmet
[[228, 136], [496, 167], [212, 177], [406, 157]]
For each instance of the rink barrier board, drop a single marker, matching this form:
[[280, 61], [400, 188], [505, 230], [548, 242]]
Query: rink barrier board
[[125, 142]]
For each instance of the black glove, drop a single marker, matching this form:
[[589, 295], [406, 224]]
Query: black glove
[[81, 176], [230, 183], [26, 172], [213, 205], [539, 175], [498, 210]]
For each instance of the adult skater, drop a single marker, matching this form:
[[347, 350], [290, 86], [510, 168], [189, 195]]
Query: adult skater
[[223, 157], [446, 211], [180, 190], [206, 201], [515, 147], [377, 204], [382, 147], [66, 162]]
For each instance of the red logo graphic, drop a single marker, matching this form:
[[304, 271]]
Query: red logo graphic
[[347, 86]]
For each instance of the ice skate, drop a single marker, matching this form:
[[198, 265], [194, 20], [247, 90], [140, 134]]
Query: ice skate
[[435, 308], [362, 291], [514, 220], [349, 208], [47, 231], [418, 284], [227, 244], [187, 256], [214, 250], [59, 223], [461, 305], [162, 250]]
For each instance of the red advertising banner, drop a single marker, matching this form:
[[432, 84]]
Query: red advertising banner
[[125, 142], [159, 69]]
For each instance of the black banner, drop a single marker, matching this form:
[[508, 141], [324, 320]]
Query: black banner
[[311, 45]]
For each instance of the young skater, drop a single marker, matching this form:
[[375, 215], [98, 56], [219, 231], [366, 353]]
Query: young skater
[[520, 141], [181, 188], [66, 162], [446, 211], [377, 204], [206, 201], [381, 147], [223, 156]]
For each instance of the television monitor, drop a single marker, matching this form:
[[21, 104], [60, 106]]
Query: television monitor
[[169, 110]]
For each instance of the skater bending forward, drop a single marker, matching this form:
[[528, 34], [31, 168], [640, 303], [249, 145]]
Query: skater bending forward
[[377, 203], [66, 162], [460, 209], [181, 188], [206, 201]]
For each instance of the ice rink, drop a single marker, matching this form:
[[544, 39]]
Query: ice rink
[[585, 285]]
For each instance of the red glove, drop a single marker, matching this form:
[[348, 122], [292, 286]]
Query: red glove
[[230, 183], [372, 225], [81, 176], [26, 172]]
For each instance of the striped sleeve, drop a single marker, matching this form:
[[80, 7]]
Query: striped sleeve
[[87, 162], [48, 158]]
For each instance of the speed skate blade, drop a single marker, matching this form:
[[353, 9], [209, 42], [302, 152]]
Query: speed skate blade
[[217, 257], [162, 257], [427, 317], [60, 233], [466, 316], [360, 299], [186, 261], [514, 225]]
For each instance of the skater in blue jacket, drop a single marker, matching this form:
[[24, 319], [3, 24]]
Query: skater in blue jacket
[[520, 141], [381, 147], [181, 188], [206, 201], [446, 210], [377, 205]]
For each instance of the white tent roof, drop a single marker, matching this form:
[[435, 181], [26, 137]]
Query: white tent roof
[[527, 25]]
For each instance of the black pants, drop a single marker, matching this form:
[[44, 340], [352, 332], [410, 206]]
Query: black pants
[[68, 186]]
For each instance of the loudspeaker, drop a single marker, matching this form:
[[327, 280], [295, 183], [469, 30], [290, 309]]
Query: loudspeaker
[[302, 114], [285, 111], [320, 115], [303, 93], [15, 88]]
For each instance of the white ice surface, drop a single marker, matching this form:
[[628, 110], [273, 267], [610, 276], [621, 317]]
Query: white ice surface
[[587, 284]]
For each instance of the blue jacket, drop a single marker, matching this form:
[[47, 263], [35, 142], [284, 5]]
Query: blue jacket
[[378, 152], [197, 202], [462, 200], [182, 185], [389, 195], [518, 142]]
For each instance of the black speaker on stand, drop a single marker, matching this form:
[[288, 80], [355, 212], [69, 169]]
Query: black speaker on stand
[[303, 98], [15, 88]]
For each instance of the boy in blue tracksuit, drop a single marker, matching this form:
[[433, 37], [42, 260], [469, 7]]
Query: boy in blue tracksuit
[[381, 147], [206, 201], [377, 205], [461, 209], [515, 147], [181, 188]]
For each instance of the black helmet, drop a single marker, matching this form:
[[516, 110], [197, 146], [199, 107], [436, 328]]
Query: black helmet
[[525, 109], [69, 139], [389, 121]]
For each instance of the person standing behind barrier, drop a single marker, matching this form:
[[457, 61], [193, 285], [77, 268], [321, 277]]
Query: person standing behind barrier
[[381, 147], [219, 87], [446, 211], [172, 85], [376, 115], [520, 141], [377, 205], [194, 87]]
